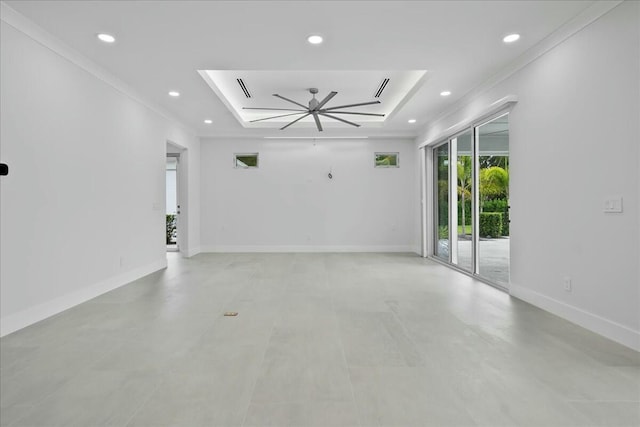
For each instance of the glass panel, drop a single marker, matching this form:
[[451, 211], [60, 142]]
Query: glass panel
[[245, 161], [441, 165], [386, 160], [464, 164], [493, 157]]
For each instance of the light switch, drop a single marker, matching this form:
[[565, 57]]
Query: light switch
[[613, 204]]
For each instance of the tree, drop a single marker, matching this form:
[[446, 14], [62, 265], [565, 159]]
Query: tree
[[464, 186], [494, 183]]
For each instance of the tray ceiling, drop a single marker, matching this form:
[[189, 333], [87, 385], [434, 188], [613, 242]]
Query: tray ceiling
[[255, 89]]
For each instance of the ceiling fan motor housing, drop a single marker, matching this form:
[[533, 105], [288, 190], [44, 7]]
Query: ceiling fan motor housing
[[314, 102]]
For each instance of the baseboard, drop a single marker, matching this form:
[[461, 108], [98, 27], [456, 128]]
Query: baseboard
[[304, 248], [24, 318], [191, 252], [605, 327]]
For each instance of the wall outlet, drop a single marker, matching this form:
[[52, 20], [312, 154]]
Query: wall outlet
[[613, 204], [567, 284]]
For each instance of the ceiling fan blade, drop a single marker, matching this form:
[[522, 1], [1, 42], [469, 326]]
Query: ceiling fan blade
[[353, 105], [315, 117], [279, 109], [339, 119], [296, 120], [293, 102], [326, 99], [349, 112], [274, 117]]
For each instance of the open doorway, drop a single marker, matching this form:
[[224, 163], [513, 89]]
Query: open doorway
[[172, 209]]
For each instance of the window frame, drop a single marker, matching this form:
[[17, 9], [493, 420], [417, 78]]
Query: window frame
[[235, 160], [383, 153]]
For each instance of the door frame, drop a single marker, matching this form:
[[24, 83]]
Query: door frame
[[429, 204], [182, 221]]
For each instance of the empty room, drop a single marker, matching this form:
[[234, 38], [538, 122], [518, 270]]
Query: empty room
[[320, 213]]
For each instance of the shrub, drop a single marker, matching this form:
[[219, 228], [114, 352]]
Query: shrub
[[505, 223], [171, 228], [502, 206], [495, 205], [490, 224], [443, 232]]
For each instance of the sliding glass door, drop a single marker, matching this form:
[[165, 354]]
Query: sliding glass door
[[464, 201], [441, 168], [493, 206], [471, 177]]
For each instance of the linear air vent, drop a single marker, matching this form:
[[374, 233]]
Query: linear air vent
[[381, 88], [244, 88]]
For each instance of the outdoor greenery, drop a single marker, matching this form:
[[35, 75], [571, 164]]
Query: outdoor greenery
[[490, 224], [171, 229], [386, 159], [494, 195], [494, 192], [494, 183], [501, 206], [464, 189], [246, 160]]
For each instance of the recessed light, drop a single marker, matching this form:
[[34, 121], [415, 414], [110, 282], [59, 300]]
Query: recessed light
[[314, 39], [107, 38], [208, 121], [511, 38], [445, 93], [412, 120], [174, 93]]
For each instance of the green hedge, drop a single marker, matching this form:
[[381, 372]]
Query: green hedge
[[502, 206], [489, 206], [497, 205], [490, 224]]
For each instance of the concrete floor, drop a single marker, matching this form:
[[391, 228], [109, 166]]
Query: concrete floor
[[320, 340]]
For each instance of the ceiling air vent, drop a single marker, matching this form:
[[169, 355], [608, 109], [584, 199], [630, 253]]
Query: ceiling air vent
[[381, 88], [244, 88]]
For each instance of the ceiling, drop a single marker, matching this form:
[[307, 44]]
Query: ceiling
[[240, 90], [161, 45]]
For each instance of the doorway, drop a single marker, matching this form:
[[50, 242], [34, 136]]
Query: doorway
[[172, 209], [471, 200]]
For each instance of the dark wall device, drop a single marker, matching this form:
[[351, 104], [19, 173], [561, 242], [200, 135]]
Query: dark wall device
[[4, 169]]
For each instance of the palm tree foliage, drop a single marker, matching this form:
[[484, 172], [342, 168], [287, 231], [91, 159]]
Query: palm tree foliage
[[464, 186]]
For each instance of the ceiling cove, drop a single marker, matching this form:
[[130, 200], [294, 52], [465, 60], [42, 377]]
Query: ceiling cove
[[246, 92]]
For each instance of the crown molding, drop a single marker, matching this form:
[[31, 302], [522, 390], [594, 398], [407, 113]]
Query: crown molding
[[571, 27], [494, 108], [38, 34]]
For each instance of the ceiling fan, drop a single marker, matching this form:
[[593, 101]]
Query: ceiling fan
[[316, 109]]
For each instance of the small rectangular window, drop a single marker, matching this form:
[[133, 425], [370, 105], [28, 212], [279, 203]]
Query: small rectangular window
[[245, 160], [387, 160]]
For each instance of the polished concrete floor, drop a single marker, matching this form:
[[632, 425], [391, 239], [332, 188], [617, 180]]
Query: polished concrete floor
[[320, 340]]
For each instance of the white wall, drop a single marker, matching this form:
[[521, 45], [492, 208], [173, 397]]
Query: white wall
[[574, 138], [77, 147], [290, 204]]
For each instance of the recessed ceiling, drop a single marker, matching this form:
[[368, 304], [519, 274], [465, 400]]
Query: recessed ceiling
[[239, 89], [161, 45]]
